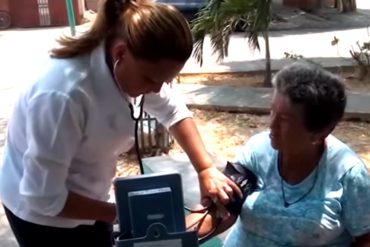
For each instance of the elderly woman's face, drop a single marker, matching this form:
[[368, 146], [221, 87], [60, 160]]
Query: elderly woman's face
[[288, 133]]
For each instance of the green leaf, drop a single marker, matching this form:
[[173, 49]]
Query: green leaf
[[219, 18]]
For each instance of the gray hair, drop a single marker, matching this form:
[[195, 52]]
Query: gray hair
[[319, 95]]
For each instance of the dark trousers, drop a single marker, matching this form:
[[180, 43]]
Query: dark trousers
[[33, 235]]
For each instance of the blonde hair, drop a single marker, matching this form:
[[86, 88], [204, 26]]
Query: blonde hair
[[152, 31]]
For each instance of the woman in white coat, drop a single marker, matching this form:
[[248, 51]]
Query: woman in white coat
[[69, 127]]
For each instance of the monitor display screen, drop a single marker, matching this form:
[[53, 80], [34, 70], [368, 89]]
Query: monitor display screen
[[146, 199]]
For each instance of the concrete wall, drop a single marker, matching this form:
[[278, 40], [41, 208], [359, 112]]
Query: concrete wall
[[92, 4]]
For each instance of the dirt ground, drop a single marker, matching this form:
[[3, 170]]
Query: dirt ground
[[256, 80], [223, 132]]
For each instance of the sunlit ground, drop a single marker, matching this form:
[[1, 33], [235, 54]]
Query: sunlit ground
[[223, 133]]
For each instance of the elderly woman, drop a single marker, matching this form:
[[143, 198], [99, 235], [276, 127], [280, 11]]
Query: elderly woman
[[312, 189], [70, 125]]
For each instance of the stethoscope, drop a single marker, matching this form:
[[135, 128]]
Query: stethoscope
[[135, 117]]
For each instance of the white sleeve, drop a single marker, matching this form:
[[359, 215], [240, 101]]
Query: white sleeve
[[54, 130], [168, 106]]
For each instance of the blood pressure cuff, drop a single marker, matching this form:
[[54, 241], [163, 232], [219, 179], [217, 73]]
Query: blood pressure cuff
[[246, 181]]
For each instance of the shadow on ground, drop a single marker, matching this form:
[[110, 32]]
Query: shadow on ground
[[6, 235], [330, 63], [327, 19]]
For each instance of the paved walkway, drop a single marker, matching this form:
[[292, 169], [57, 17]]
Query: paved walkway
[[18, 63], [256, 100]]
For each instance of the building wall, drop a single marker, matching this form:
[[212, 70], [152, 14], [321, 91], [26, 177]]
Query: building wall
[[306, 4], [27, 13], [92, 4], [4, 5]]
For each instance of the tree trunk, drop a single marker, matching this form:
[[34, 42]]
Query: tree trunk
[[345, 6], [349, 5], [267, 81], [319, 5]]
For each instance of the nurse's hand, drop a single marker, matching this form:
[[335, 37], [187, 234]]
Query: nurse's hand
[[215, 185]]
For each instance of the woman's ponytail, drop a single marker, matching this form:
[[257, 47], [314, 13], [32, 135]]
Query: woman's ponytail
[[109, 12]]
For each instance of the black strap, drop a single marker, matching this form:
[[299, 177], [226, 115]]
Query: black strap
[[137, 120], [206, 210]]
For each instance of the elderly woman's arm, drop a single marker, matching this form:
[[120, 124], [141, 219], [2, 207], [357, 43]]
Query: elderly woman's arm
[[203, 226], [169, 108], [355, 204], [362, 241], [213, 183]]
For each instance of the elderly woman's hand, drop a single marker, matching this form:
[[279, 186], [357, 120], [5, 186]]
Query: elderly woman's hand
[[207, 224], [215, 185]]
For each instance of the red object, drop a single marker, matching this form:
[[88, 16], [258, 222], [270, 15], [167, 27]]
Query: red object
[[308, 4], [92, 5], [5, 20], [37, 13], [4, 5], [303, 4]]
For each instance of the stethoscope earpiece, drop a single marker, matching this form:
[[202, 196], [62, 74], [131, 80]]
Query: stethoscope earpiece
[[141, 110]]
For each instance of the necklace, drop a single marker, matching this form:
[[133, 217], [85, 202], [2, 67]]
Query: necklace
[[286, 203]]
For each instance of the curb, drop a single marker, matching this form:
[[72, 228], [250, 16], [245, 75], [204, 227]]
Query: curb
[[333, 69], [343, 65], [349, 116], [256, 100]]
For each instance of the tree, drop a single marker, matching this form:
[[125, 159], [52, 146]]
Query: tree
[[220, 18], [319, 5], [345, 5], [362, 58]]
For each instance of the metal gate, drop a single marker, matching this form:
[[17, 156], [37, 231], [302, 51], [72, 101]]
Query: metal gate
[[44, 13], [5, 19]]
